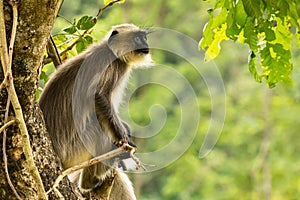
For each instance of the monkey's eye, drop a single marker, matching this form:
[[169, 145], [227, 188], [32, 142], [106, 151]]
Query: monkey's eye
[[137, 39], [140, 38]]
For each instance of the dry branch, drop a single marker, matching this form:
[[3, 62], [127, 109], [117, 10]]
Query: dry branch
[[123, 149]]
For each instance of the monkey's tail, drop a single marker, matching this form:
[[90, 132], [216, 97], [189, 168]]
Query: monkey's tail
[[122, 188]]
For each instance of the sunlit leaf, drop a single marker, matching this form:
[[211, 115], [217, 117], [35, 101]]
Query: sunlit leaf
[[298, 39], [240, 14], [207, 35], [252, 7], [85, 23], [106, 2], [252, 67], [250, 35], [275, 61], [214, 48], [59, 39], [283, 34], [70, 30], [220, 19], [89, 39], [81, 45]]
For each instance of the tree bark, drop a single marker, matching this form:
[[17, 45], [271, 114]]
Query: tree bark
[[35, 22]]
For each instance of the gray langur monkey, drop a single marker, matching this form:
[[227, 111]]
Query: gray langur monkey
[[80, 105]]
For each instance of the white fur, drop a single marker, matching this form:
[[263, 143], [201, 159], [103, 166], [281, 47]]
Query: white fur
[[117, 95]]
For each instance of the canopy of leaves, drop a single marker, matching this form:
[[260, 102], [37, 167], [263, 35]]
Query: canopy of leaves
[[266, 26]]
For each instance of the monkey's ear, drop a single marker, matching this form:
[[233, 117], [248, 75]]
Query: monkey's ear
[[113, 33]]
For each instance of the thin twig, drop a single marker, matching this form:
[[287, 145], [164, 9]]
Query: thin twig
[[15, 5], [6, 125], [123, 149], [105, 7], [4, 150], [4, 82], [53, 53], [74, 43]]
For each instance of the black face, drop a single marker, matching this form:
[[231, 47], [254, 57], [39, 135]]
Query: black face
[[140, 41]]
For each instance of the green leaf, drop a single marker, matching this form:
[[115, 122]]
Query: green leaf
[[232, 30], [283, 7], [219, 20], [252, 67], [298, 38], [70, 30], [59, 39], [89, 39], [283, 34], [44, 76], [250, 35], [81, 45], [270, 35], [275, 61], [207, 38], [214, 48], [219, 4], [85, 23], [252, 7], [240, 14]]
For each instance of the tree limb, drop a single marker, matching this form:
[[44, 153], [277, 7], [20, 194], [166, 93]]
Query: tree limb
[[6, 59], [123, 149], [3, 44], [53, 53], [105, 7]]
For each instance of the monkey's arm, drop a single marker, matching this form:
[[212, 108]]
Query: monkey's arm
[[110, 121]]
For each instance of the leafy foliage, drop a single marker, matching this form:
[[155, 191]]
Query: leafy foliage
[[266, 26], [82, 40]]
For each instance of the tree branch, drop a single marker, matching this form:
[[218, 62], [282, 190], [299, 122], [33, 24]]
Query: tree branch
[[6, 59], [123, 149], [53, 53], [3, 44], [101, 10]]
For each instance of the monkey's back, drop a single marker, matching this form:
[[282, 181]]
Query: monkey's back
[[56, 105]]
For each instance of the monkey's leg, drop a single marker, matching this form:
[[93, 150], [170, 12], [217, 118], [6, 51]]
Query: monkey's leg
[[115, 187], [88, 180]]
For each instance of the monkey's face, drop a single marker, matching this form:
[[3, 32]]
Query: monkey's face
[[129, 43]]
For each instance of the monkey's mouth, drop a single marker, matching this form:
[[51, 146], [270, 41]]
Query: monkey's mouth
[[143, 51]]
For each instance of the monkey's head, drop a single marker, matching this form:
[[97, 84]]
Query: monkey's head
[[129, 43]]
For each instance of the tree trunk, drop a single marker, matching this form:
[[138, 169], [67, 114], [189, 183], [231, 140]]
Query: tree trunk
[[35, 22]]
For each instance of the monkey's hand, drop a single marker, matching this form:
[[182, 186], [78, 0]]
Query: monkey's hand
[[125, 137]]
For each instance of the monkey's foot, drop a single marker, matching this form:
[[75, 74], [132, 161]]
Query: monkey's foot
[[132, 149], [129, 147], [124, 142]]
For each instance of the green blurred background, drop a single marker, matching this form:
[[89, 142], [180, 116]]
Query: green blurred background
[[257, 154]]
